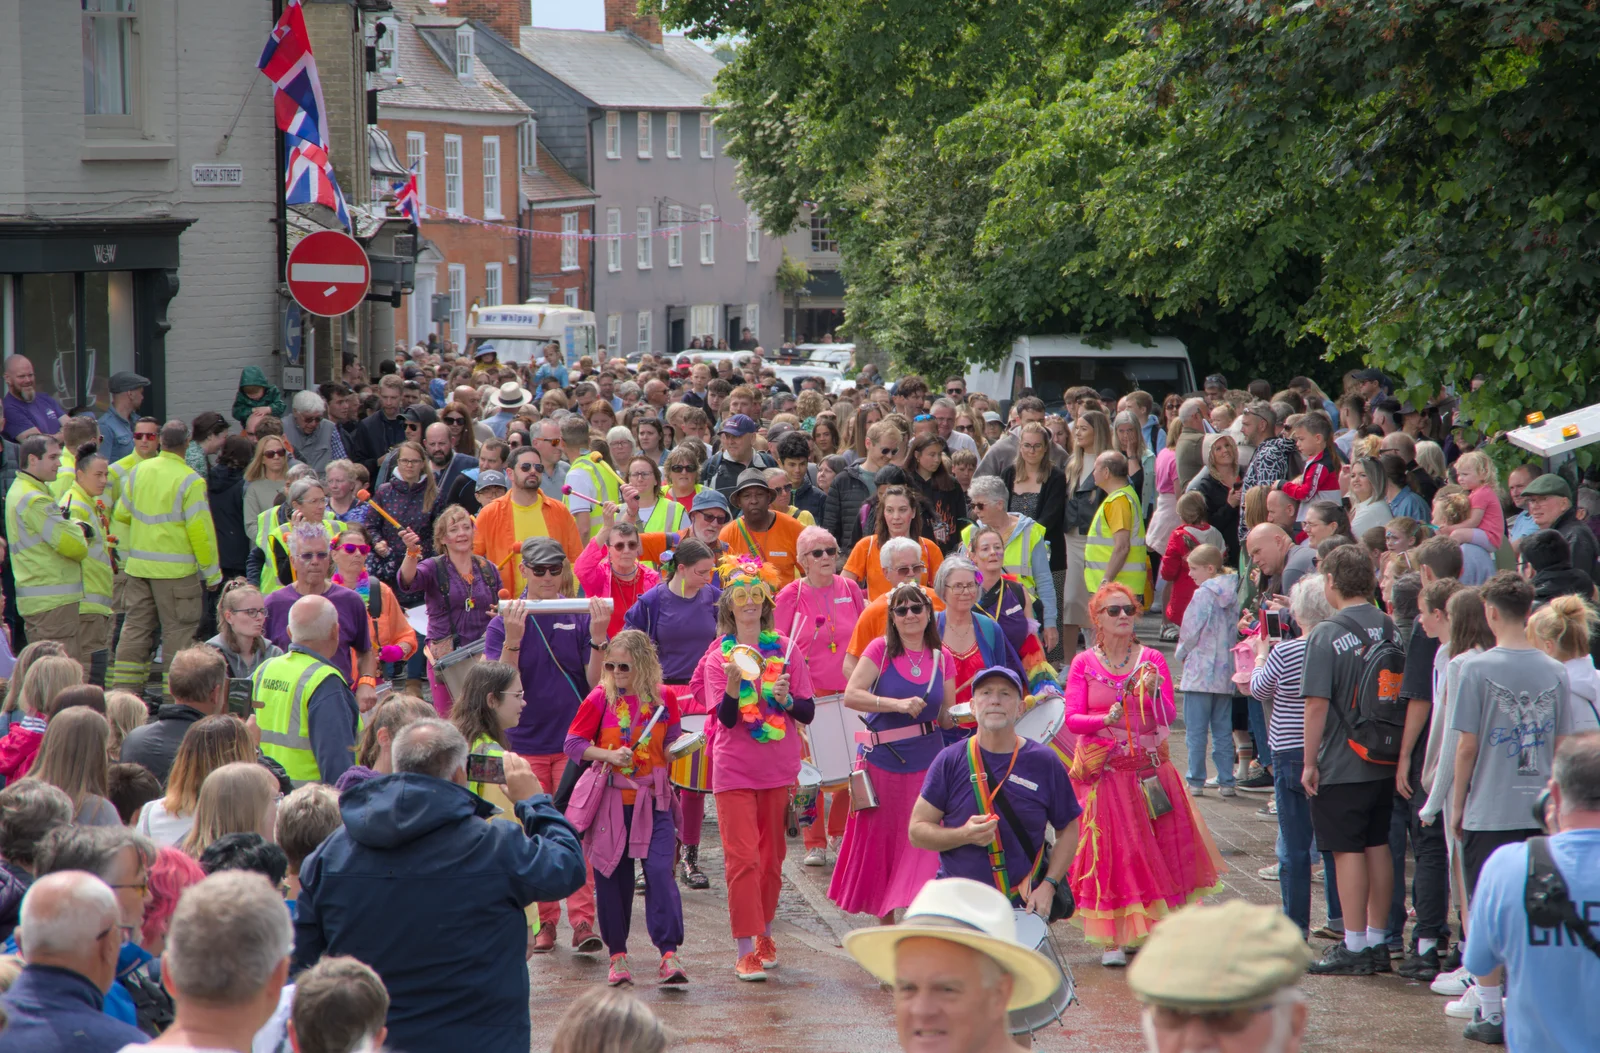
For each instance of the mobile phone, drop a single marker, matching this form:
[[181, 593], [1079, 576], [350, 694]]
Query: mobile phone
[[486, 767], [241, 698], [1274, 625]]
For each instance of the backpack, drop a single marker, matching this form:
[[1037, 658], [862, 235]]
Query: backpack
[[1374, 716]]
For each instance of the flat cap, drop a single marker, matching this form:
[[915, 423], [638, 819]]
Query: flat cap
[[542, 551], [1548, 485], [126, 381], [1230, 956]]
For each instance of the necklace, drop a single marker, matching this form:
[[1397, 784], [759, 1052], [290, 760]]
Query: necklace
[[914, 659], [827, 609], [1117, 664]]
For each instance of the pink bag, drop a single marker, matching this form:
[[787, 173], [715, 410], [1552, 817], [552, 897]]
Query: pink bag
[[584, 804], [1244, 663]]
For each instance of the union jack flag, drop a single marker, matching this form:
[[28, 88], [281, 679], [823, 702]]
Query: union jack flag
[[297, 92], [406, 201], [310, 180]]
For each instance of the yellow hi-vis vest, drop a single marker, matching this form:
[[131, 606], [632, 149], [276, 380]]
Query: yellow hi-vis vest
[[47, 551], [1135, 571], [282, 687], [1017, 560], [66, 475], [163, 522], [78, 506], [272, 537], [606, 488]]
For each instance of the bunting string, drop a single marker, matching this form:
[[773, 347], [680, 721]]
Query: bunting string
[[688, 226]]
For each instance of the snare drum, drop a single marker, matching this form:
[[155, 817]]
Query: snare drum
[[1041, 723], [832, 735], [1033, 931], [961, 713], [808, 786], [452, 668], [691, 766]]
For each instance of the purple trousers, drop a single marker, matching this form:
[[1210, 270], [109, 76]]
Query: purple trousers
[[663, 910]]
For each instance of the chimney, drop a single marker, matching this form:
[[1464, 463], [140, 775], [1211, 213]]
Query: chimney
[[624, 15], [505, 17]]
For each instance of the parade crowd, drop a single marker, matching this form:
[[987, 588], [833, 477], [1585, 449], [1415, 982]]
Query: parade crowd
[[323, 709]]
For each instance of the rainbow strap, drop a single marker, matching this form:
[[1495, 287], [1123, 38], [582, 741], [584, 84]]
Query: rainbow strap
[[759, 708], [997, 852]]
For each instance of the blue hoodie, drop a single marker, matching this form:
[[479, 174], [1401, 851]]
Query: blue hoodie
[[421, 887]]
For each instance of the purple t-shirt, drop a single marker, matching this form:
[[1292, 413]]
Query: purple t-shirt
[[1038, 791], [44, 413], [455, 608], [681, 628], [554, 680], [353, 624]]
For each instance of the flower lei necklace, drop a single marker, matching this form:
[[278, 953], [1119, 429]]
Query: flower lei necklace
[[625, 718], [758, 709], [362, 585]]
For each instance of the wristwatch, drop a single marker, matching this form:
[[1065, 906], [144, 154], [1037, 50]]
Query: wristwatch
[[1054, 882], [597, 646]]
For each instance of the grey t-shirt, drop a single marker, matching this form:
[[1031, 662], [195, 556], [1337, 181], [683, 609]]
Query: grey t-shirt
[[1517, 702], [1301, 561], [1333, 669]]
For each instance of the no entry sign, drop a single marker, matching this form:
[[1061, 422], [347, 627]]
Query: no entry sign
[[329, 273]]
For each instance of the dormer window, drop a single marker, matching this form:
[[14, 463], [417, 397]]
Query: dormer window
[[464, 52]]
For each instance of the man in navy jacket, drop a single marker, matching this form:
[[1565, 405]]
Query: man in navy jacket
[[421, 886]]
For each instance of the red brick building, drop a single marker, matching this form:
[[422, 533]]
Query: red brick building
[[557, 201]]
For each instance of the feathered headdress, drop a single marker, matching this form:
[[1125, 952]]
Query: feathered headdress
[[745, 572]]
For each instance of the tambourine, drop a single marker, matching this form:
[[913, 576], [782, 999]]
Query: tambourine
[[748, 661]]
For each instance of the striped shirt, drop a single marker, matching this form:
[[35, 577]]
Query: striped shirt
[[1277, 680]]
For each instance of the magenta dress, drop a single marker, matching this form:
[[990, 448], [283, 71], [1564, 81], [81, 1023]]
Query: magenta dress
[[1130, 870]]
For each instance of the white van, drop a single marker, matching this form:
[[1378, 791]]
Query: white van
[[519, 333], [1052, 364]]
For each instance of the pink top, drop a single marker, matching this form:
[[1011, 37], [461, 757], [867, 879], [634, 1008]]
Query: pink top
[[592, 568], [739, 762], [1091, 691], [827, 617], [1494, 520], [1167, 471], [902, 665]]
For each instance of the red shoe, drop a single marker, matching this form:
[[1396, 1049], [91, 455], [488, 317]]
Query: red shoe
[[671, 972], [767, 951], [749, 968], [619, 974], [584, 938], [544, 941]]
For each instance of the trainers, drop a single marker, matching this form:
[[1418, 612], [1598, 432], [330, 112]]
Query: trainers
[[1114, 959], [1258, 781], [1423, 966], [1169, 633], [816, 857], [1342, 961], [1269, 873], [1196, 791], [1452, 984], [1268, 811], [749, 968], [767, 951], [1490, 1030], [1211, 783], [671, 973], [545, 940], [618, 974], [1465, 1007], [1380, 959], [1227, 791], [584, 939], [834, 843]]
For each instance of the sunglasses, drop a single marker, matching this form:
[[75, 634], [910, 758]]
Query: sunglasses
[[953, 391], [455, 422], [1127, 610], [314, 557], [314, 421], [909, 610], [964, 428], [275, 454], [625, 546], [714, 520], [889, 452], [915, 568], [355, 549], [542, 570], [618, 667], [681, 469], [818, 553]]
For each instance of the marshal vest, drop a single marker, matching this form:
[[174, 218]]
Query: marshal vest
[[1097, 551], [283, 687], [1017, 560]]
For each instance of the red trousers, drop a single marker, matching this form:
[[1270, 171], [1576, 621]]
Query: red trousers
[[753, 845], [580, 905], [836, 803]]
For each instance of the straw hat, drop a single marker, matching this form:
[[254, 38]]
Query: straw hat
[[510, 395], [972, 914]]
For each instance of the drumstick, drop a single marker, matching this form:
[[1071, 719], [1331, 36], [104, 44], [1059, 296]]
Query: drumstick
[[794, 632], [362, 495]]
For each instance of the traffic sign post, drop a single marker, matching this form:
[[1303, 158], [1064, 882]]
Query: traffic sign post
[[329, 273]]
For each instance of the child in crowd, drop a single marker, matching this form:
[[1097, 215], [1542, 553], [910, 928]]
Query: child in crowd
[[1485, 524], [1205, 647], [1193, 532]]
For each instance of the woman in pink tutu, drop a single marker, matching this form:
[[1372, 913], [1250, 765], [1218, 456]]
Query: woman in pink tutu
[[1144, 851], [905, 684]]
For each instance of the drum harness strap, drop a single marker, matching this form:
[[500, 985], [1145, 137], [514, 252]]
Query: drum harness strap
[[989, 801]]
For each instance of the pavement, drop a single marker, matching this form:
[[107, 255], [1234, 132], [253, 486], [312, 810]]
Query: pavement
[[819, 1001]]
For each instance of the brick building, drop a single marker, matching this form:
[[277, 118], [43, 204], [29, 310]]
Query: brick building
[[555, 200]]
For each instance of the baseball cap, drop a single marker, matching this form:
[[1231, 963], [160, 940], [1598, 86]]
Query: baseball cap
[[739, 424], [490, 478]]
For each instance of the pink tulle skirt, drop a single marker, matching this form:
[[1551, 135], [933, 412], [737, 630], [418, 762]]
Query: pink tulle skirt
[[878, 869], [1130, 870]]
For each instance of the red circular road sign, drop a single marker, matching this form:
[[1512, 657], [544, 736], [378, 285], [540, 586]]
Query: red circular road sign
[[329, 273]]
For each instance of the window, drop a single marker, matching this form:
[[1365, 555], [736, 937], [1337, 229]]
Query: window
[[452, 174], [613, 134], [385, 45], [463, 51], [570, 297], [674, 236], [491, 177], [417, 161], [458, 302], [644, 133], [708, 236], [707, 141], [752, 320], [703, 320], [613, 243], [569, 241], [528, 144], [110, 60], [752, 239], [822, 234], [674, 136], [614, 331], [641, 226], [644, 332], [491, 285]]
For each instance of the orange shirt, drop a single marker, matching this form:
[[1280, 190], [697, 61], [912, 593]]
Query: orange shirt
[[874, 620], [775, 545], [866, 567]]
